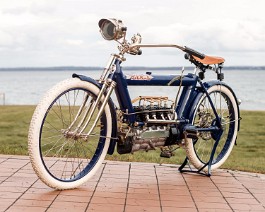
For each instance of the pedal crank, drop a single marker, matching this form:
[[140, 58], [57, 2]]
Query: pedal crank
[[191, 131]]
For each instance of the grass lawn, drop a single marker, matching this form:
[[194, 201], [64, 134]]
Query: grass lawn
[[248, 155]]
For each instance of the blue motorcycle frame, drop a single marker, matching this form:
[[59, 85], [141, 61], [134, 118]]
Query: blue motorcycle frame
[[193, 89]]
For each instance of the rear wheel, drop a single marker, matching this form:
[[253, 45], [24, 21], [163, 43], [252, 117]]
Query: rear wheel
[[199, 150], [61, 152]]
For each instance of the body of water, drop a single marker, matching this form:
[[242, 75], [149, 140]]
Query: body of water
[[24, 87]]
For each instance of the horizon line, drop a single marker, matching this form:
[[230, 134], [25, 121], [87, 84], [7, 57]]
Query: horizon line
[[125, 67]]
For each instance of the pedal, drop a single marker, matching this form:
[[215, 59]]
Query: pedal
[[191, 135], [191, 131], [166, 154]]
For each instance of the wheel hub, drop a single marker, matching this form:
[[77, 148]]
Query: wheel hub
[[219, 132]]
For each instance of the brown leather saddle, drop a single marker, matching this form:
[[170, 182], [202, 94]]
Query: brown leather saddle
[[209, 60]]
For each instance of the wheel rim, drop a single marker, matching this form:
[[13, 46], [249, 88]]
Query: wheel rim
[[204, 117], [65, 152]]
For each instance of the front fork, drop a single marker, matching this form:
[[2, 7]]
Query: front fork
[[107, 88], [104, 95]]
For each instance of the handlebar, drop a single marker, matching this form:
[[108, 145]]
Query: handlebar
[[183, 48], [193, 52]]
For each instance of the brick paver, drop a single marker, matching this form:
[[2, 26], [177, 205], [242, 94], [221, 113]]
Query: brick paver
[[125, 186]]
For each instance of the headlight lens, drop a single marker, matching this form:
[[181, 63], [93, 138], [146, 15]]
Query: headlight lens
[[111, 29], [108, 30]]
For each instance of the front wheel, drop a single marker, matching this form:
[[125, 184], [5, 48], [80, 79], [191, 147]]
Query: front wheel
[[199, 150], [62, 153]]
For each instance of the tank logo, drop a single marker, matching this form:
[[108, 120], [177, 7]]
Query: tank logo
[[139, 77]]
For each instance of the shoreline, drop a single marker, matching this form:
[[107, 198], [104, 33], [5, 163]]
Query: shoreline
[[129, 68]]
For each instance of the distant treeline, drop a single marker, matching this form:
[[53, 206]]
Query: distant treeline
[[135, 68]]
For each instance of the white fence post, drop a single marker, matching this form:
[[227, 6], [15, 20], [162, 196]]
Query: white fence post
[[2, 95]]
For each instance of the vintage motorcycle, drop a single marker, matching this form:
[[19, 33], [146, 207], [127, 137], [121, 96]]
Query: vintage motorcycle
[[76, 123]]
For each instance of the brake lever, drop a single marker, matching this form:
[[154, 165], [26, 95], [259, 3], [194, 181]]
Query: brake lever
[[136, 39]]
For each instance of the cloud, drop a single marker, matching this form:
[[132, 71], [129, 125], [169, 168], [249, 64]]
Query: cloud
[[67, 31], [214, 35], [74, 42], [5, 39]]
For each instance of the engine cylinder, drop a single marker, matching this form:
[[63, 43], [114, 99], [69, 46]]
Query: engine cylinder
[[152, 127]]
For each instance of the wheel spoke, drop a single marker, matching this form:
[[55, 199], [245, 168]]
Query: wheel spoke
[[60, 139]]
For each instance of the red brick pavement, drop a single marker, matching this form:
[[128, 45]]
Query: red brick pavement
[[124, 186]]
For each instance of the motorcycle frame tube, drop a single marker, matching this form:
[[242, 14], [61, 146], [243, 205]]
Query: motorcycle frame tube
[[185, 106], [187, 96]]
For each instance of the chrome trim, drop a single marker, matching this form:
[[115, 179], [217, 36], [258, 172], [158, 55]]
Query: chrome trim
[[158, 121], [115, 29], [111, 87], [108, 68], [101, 93], [157, 45], [79, 113]]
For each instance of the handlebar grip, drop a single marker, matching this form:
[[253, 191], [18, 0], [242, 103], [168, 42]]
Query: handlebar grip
[[186, 56], [135, 52], [193, 52]]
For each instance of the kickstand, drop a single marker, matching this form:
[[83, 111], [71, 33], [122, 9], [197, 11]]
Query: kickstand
[[191, 170], [209, 163]]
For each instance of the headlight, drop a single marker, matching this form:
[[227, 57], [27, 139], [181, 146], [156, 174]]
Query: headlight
[[111, 29]]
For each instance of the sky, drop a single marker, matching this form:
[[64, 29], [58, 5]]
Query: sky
[[48, 33]]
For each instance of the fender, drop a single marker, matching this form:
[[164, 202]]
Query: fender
[[200, 93], [112, 110]]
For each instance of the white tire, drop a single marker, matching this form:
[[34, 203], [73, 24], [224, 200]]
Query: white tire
[[60, 158], [198, 152]]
